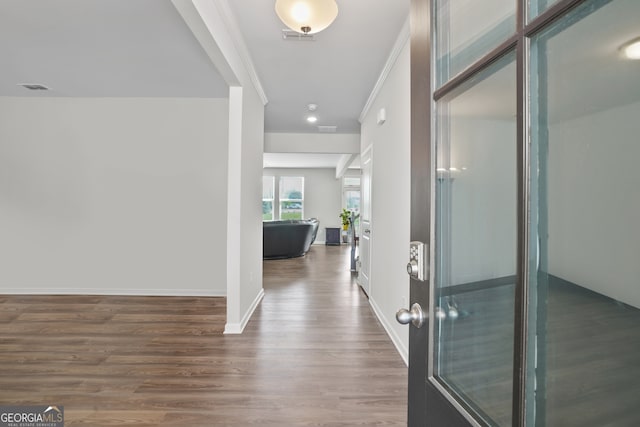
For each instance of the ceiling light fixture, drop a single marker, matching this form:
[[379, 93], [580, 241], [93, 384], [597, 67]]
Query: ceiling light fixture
[[307, 16], [312, 119], [631, 49]]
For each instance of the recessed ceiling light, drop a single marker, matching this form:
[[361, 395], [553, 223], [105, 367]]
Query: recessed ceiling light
[[312, 119], [631, 49]]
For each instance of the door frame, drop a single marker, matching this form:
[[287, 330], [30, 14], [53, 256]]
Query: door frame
[[426, 394], [421, 177], [366, 197]]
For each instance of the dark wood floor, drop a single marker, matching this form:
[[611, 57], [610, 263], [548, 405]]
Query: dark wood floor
[[592, 360], [312, 355], [590, 363]]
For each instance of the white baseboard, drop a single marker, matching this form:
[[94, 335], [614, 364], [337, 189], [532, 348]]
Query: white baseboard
[[397, 342], [237, 328], [319, 242], [52, 290]]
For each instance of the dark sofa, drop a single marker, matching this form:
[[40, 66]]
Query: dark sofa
[[288, 238]]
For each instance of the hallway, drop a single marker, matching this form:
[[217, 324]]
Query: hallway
[[313, 354], [328, 345]]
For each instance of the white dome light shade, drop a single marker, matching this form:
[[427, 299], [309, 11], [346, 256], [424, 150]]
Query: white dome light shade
[[631, 50], [307, 16]]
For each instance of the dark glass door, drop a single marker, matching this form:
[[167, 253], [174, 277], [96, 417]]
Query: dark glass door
[[524, 189]]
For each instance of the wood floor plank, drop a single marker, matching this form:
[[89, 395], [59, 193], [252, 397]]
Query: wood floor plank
[[312, 355]]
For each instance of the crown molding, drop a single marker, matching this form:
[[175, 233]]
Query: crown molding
[[401, 41], [241, 47]]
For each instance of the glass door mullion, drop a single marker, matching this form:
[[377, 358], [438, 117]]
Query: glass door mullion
[[521, 306], [537, 265]]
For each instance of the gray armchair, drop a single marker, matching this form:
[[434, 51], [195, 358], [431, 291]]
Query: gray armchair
[[288, 238]]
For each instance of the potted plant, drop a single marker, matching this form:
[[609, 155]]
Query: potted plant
[[345, 215]]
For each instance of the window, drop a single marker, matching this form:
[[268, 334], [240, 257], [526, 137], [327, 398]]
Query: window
[[351, 196], [291, 197], [288, 195], [351, 181], [351, 193], [352, 200], [267, 197]]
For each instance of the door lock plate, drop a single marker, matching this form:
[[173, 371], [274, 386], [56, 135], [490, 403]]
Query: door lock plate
[[418, 261]]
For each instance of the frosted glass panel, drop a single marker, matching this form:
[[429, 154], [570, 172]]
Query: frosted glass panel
[[536, 7], [468, 29]]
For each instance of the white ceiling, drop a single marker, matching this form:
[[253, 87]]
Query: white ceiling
[[337, 71], [143, 48], [587, 72], [102, 48]]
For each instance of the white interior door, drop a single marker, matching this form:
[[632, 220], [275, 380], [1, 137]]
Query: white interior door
[[365, 222]]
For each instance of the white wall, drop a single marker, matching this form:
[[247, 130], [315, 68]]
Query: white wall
[[322, 195], [251, 201], [113, 195], [594, 238], [215, 27], [244, 209], [483, 197], [390, 210], [275, 142]]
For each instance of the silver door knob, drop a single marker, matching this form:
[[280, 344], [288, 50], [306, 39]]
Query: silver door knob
[[415, 316]]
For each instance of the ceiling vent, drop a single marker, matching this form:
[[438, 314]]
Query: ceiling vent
[[33, 86], [291, 35], [327, 129]]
